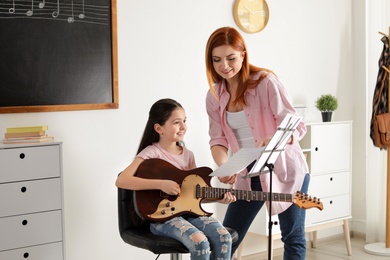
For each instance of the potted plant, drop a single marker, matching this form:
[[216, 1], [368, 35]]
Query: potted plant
[[326, 104]]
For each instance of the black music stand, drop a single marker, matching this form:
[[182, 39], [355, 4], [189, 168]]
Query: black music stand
[[265, 163]]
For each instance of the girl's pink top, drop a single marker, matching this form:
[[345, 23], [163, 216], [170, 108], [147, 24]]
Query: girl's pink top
[[185, 161]]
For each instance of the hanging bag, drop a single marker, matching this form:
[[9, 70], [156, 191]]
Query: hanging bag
[[381, 125], [382, 130]]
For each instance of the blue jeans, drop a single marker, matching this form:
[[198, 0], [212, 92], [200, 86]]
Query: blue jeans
[[240, 215], [204, 237]]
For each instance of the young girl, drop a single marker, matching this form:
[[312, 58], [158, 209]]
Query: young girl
[[204, 237]]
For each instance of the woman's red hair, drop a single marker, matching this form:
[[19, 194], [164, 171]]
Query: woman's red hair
[[230, 36]]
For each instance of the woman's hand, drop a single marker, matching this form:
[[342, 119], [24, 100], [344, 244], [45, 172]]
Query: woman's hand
[[228, 179], [170, 187], [227, 198], [264, 142]]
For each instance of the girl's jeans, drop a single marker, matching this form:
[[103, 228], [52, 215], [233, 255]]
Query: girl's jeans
[[204, 237], [240, 215]]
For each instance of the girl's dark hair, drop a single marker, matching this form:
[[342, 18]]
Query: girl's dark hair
[[158, 114]]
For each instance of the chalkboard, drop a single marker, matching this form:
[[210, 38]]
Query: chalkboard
[[58, 55]]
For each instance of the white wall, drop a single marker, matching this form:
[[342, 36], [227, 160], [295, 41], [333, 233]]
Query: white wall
[[161, 44]]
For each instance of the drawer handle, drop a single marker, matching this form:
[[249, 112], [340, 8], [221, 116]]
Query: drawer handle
[[331, 202], [22, 156], [331, 178], [26, 255], [316, 149], [24, 222], [23, 189]]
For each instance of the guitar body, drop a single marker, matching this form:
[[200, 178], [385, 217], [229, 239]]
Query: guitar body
[[155, 205]]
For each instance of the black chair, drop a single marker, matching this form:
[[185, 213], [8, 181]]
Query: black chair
[[135, 231]]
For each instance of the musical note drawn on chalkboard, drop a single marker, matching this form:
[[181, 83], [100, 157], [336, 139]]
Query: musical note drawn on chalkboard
[[31, 11], [71, 18], [82, 15], [56, 13], [12, 9], [75, 11], [42, 4]]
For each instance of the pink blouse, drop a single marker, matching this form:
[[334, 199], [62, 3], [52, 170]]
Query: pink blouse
[[266, 106]]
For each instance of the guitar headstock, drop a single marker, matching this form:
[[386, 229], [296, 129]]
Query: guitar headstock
[[305, 201]]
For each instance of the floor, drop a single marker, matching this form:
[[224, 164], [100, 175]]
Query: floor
[[328, 250]]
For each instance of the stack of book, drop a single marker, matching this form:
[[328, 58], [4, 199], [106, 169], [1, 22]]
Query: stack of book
[[26, 134]]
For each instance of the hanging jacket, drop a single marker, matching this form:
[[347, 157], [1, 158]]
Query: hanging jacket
[[380, 99]]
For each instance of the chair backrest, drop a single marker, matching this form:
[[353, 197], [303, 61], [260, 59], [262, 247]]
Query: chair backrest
[[127, 216]]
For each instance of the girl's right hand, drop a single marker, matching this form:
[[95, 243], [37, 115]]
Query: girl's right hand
[[170, 187]]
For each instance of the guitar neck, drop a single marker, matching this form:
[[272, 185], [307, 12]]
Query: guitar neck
[[217, 193]]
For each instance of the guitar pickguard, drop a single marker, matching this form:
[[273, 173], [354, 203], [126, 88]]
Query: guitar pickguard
[[185, 202]]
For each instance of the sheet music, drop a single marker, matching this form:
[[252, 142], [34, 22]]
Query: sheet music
[[238, 162], [245, 156]]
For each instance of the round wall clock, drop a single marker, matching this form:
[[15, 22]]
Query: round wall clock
[[251, 16]]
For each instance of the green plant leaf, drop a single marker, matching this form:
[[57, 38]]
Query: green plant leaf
[[326, 102]]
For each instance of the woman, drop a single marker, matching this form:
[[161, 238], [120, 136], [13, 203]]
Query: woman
[[245, 104], [163, 136]]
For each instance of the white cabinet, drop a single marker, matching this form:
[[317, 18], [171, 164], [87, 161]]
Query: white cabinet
[[31, 216], [328, 147], [329, 153]]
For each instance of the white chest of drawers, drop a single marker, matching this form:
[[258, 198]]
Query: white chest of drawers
[[329, 155], [31, 204]]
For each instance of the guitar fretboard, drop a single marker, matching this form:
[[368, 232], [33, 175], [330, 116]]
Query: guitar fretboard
[[217, 193]]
